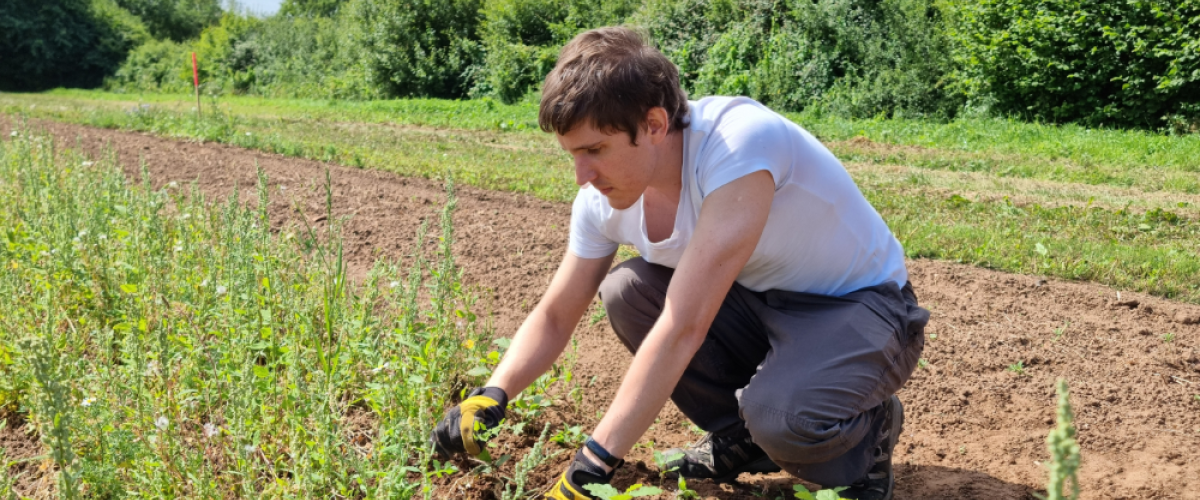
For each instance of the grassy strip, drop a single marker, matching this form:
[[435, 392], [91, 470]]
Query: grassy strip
[[1007, 148], [1156, 251], [164, 346], [1077, 241]]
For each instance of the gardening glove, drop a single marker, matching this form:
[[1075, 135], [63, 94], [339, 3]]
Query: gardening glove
[[483, 409], [581, 472]]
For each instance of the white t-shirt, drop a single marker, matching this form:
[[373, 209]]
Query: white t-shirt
[[822, 236]]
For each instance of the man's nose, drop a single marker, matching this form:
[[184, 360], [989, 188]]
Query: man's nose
[[584, 173]]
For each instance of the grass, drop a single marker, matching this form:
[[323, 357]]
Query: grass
[[1115, 207], [165, 346]]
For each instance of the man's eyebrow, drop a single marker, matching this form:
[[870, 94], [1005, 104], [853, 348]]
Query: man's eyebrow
[[588, 146]]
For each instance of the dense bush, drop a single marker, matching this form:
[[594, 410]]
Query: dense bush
[[176, 20], [855, 57], [414, 48], [63, 43], [522, 38], [1116, 63]]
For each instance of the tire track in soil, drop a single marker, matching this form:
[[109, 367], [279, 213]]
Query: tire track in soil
[[975, 430]]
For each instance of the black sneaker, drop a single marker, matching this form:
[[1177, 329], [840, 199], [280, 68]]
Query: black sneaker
[[720, 458], [880, 480]]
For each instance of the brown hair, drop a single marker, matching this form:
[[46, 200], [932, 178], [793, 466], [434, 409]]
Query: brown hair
[[612, 78]]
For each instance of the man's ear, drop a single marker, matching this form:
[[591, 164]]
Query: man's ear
[[657, 124]]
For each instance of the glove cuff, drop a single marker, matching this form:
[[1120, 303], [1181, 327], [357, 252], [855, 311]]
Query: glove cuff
[[584, 471], [495, 393]]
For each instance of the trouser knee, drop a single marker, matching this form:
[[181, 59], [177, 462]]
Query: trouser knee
[[824, 451], [633, 294]]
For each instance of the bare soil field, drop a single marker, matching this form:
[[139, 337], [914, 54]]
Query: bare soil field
[[975, 428]]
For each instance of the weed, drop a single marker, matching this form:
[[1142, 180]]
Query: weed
[[599, 314], [607, 492], [1058, 332], [662, 459], [803, 493], [1168, 337], [515, 487], [569, 437], [922, 363], [1064, 450], [166, 345], [1017, 368]]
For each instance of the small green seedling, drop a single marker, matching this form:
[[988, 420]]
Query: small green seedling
[[1018, 367], [569, 437], [662, 459], [922, 363], [827, 494], [1058, 332], [607, 492], [1168, 337]]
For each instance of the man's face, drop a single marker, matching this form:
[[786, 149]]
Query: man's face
[[620, 170]]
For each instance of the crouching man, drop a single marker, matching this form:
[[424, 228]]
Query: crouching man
[[771, 303]]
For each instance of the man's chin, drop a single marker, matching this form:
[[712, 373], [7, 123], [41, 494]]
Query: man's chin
[[619, 203]]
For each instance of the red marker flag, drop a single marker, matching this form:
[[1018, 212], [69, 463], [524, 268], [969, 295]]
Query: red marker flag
[[195, 71]]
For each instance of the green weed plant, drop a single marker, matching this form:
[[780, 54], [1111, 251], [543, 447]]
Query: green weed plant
[[164, 346]]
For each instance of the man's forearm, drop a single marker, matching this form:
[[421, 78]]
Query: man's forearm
[[656, 369], [534, 348]]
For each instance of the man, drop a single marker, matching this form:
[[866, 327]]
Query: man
[[771, 303]]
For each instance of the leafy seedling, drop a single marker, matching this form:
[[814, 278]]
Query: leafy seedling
[[827, 494], [1168, 337], [607, 492], [1017, 368], [569, 437], [662, 459], [1058, 332]]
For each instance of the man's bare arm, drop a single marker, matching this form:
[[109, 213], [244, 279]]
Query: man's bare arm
[[545, 332], [730, 224]]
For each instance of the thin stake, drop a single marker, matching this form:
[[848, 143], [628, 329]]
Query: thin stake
[[196, 83]]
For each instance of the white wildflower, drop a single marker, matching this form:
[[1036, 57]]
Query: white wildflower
[[103, 237], [221, 290], [161, 422], [393, 284], [13, 134], [380, 368], [88, 401], [172, 184], [82, 233], [210, 430], [250, 448], [178, 248], [88, 163], [204, 283], [247, 134]]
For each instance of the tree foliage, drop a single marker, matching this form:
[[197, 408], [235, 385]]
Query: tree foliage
[[72, 43], [414, 48], [176, 20], [1128, 63]]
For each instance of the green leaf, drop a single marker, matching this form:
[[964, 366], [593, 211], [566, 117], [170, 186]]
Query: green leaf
[[827, 495], [478, 371], [802, 493], [261, 371], [638, 490], [129, 288], [604, 491], [1041, 249]]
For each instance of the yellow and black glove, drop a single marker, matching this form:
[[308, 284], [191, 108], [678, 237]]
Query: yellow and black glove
[[457, 432], [582, 472]]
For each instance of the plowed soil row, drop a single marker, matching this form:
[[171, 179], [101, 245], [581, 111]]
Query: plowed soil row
[[975, 428]]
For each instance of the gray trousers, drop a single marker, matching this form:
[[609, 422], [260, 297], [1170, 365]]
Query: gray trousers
[[806, 374]]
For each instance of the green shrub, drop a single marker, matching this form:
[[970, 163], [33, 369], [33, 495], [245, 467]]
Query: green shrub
[[416, 48], [64, 43], [854, 57], [522, 39], [1128, 64], [176, 20]]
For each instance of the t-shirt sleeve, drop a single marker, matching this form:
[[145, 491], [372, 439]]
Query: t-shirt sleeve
[[587, 241], [747, 139]]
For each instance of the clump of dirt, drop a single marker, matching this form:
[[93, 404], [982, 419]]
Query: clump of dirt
[[977, 412]]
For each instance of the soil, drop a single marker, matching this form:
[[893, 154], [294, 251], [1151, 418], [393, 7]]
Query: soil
[[975, 428]]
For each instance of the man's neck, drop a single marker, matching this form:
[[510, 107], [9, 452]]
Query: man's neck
[[668, 169]]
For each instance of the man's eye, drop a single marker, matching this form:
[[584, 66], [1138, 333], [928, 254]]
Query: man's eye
[[594, 151]]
